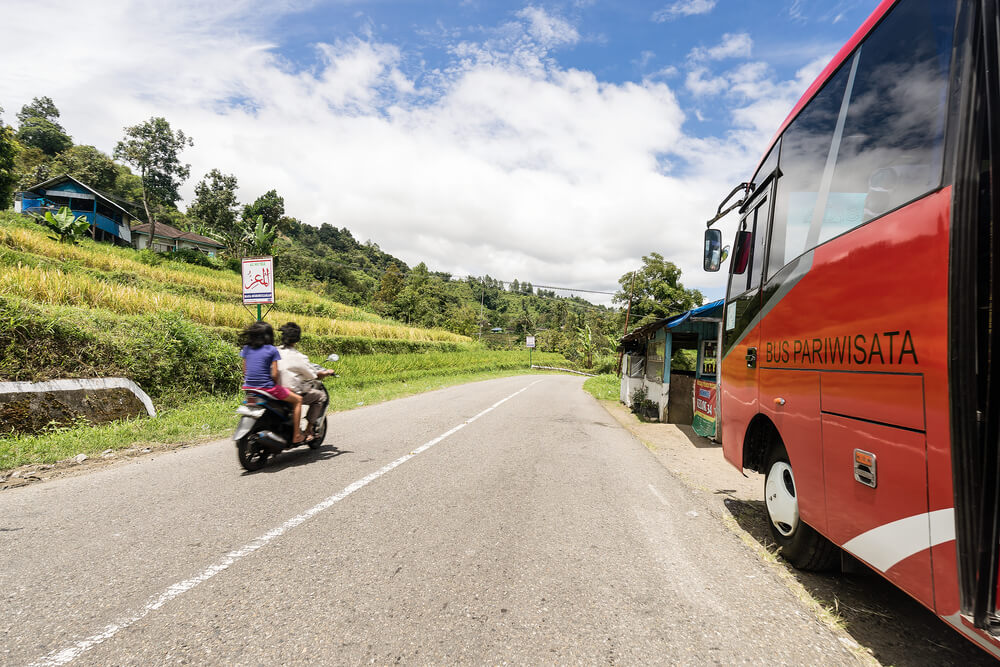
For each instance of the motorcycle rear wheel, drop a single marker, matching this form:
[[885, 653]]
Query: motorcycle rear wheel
[[253, 453], [319, 435]]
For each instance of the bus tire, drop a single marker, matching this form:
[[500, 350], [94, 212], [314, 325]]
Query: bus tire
[[800, 544]]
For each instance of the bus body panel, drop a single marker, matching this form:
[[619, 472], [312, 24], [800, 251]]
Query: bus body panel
[[865, 325], [798, 424], [739, 395]]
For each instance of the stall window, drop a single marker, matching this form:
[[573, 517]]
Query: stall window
[[655, 349]]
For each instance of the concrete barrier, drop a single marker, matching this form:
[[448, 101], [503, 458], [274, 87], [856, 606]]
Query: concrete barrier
[[27, 407]]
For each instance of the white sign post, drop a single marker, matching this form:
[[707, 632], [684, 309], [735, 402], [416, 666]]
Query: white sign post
[[530, 344], [258, 282]]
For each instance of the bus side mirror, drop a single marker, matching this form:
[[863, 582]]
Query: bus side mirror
[[741, 256], [713, 249]]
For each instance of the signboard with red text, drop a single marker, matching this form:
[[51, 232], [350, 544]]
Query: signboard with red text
[[258, 280]]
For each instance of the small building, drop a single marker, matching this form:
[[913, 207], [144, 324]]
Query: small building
[[170, 238], [680, 396], [109, 219]]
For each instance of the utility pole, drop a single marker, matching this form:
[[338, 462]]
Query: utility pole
[[628, 312], [482, 300]]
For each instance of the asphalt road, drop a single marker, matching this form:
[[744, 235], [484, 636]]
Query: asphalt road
[[539, 532]]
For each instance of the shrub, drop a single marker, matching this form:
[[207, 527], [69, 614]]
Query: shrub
[[643, 406], [190, 256], [163, 352]]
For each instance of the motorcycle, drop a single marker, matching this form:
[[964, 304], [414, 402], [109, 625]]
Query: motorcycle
[[265, 427]]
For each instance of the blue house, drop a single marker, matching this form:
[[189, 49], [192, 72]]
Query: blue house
[[109, 220]]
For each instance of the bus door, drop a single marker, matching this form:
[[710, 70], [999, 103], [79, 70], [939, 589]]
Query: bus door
[[741, 327]]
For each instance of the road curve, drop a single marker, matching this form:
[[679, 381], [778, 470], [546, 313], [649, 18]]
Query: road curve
[[540, 531]]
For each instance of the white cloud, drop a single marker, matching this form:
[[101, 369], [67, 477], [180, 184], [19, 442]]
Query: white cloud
[[548, 30], [733, 45], [683, 8], [503, 163]]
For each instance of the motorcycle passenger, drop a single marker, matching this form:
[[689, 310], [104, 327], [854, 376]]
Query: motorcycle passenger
[[260, 370], [297, 373]]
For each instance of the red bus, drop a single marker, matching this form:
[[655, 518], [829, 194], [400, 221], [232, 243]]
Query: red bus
[[859, 330]]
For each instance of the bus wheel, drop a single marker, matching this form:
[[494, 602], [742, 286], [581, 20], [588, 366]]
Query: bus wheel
[[800, 545]]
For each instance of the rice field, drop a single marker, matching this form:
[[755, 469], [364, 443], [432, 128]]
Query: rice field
[[54, 287], [104, 257], [85, 275]]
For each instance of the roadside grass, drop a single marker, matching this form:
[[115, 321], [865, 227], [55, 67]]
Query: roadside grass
[[603, 387], [207, 417]]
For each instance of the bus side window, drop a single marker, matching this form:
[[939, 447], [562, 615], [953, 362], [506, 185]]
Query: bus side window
[[884, 147], [805, 146], [892, 146]]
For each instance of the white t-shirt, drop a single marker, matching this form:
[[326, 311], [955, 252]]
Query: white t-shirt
[[295, 368]]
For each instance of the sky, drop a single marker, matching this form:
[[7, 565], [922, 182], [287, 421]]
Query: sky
[[552, 142]]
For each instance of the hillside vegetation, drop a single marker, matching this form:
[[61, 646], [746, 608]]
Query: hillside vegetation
[[93, 310]]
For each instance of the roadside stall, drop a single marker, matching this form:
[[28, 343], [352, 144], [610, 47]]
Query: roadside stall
[[653, 372]]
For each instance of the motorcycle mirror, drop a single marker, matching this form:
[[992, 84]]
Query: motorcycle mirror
[[333, 357]]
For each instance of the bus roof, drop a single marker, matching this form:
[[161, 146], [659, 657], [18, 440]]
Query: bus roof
[[828, 71]]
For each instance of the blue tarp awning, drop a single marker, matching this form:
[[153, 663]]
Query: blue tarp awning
[[713, 309]]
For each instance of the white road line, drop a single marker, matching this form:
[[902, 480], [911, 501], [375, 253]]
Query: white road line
[[657, 494], [68, 654]]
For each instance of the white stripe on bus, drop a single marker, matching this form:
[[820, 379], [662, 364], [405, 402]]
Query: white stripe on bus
[[888, 544]]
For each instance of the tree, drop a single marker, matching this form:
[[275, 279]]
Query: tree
[[8, 174], [389, 288], [215, 205], [271, 207], [88, 165], [658, 291], [39, 127], [585, 345], [153, 148]]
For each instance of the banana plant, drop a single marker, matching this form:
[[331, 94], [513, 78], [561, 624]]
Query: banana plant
[[68, 227], [259, 236]]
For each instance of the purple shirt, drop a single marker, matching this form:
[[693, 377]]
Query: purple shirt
[[259, 365]]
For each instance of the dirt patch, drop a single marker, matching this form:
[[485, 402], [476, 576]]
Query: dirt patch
[[40, 472], [888, 626]]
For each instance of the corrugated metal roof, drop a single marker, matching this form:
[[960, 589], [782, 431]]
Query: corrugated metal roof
[[163, 230], [671, 322]]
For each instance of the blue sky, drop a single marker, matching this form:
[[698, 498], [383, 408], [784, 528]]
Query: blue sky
[[555, 142]]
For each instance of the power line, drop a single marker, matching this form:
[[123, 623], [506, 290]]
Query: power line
[[458, 278], [575, 289]]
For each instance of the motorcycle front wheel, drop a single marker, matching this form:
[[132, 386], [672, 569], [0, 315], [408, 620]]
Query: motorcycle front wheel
[[253, 453]]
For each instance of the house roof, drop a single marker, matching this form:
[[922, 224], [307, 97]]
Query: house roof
[[643, 332], [110, 199], [163, 230]]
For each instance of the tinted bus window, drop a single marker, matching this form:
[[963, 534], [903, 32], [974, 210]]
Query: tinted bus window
[[804, 150], [893, 137], [883, 148]]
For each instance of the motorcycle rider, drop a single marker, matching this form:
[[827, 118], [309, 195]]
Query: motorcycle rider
[[260, 370], [297, 373]]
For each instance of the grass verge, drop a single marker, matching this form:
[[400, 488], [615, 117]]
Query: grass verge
[[208, 417], [603, 387]]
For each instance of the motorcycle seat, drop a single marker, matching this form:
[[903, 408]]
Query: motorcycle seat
[[259, 395]]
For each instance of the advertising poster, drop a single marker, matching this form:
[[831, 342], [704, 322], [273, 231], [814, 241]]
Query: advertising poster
[[704, 408], [258, 280]]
